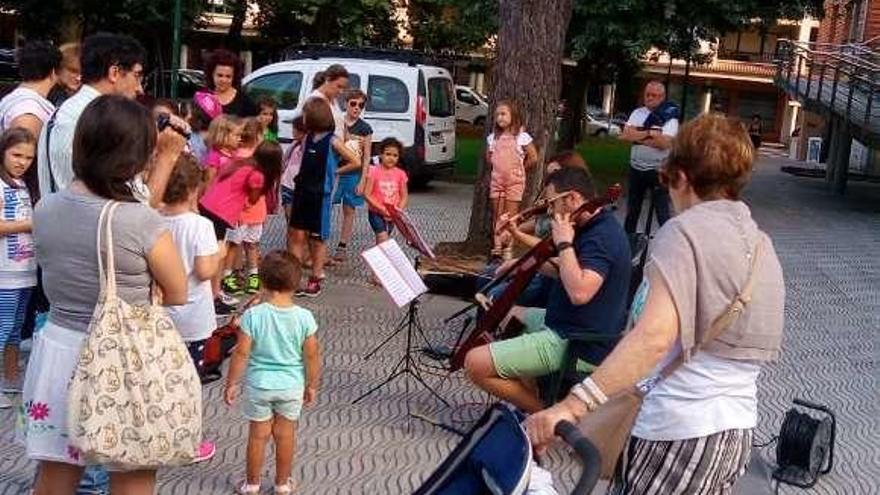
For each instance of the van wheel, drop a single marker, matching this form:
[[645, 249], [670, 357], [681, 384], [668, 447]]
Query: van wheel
[[480, 121], [601, 133], [420, 181]]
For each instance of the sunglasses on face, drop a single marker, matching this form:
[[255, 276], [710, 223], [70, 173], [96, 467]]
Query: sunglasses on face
[[357, 104]]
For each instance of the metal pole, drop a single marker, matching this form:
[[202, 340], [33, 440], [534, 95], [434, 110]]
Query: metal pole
[[175, 50]]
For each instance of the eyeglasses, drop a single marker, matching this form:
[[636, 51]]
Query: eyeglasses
[[357, 104]]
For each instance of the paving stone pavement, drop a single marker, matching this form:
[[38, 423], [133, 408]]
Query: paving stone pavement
[[828, 247]]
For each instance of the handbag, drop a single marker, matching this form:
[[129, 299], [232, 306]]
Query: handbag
[[609, 426], [135, 401]]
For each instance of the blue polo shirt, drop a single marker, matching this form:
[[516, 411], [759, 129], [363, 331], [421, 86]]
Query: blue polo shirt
[[600, 246]]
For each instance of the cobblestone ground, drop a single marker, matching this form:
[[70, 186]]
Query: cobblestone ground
[[828, 247]]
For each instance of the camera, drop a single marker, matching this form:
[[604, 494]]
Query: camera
[[163, 120]]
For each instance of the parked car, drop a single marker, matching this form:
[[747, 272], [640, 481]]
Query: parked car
[[188, 82], [470, 106], [600, 125], [407, 99]]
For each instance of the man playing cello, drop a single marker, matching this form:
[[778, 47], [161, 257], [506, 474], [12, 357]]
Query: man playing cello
[[588, 296]]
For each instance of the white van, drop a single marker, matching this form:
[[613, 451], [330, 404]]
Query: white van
[[408, 101], [470, 106]]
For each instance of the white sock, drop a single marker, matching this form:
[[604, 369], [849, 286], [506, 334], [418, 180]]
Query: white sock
[[226, 272], [253, 271]]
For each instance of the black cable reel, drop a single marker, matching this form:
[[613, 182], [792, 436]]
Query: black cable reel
[[805, 447]]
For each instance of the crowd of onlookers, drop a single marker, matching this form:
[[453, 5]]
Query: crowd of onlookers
[[195, 182]]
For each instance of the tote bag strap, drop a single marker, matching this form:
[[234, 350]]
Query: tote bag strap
[[107, 277]]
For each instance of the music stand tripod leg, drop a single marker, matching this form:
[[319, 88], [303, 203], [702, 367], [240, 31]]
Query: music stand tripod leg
[[400, 327]]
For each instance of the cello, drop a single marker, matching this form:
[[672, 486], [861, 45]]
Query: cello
[[519, 274]]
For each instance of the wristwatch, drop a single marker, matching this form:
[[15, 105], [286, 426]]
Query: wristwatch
[[562, 246]]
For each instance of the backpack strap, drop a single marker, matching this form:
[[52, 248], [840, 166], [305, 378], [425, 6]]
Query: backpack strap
[[50, 125]]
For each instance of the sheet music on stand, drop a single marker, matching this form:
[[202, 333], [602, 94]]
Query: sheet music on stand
[[395, 272], [406, 227]]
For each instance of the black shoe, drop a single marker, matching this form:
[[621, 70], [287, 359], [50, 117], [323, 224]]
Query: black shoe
[[221, 308]]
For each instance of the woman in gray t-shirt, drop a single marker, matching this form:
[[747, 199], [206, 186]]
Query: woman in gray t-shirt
[[114, 141]]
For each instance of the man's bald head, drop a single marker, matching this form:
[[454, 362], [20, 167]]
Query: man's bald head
[[655, 94]]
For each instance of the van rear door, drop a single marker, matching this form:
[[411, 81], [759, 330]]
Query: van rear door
[[440, 118], [390, 106]]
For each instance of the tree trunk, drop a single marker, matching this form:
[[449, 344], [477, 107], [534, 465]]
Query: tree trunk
[[528, 69], [577, 100], [239, 15]]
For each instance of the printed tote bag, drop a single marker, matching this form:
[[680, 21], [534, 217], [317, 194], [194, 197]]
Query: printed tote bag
[[135, 399]]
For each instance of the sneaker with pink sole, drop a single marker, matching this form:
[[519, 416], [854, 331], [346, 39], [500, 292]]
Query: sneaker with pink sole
[[205, 452]]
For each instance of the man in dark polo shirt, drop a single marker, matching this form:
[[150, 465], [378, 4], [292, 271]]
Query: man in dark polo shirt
[[588, 296]]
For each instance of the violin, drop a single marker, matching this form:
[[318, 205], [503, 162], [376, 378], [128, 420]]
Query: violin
[[519, 274], [540, 207]]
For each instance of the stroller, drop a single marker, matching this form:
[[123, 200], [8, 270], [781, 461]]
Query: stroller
[[495, 457]]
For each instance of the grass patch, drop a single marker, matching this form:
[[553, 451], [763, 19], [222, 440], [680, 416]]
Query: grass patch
[[608, 158]]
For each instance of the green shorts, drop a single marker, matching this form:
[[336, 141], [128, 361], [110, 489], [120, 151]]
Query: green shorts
[[260, 404], [537, 352]]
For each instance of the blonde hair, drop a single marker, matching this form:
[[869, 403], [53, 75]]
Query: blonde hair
[[221, 130], [251, 132], [70, 53], [715, 154]]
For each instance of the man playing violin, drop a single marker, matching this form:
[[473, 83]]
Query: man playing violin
[[587, 297]]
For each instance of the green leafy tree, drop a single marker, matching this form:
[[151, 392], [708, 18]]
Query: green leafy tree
[[351, 22], [458, 25]]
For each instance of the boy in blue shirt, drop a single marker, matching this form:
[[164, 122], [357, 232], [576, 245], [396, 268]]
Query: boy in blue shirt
[[278, 355]]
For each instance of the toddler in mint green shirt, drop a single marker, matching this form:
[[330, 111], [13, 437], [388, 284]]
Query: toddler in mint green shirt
[[278, 357]]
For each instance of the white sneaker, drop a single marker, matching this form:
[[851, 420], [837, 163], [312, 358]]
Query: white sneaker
[[5, 403], [230, 300]]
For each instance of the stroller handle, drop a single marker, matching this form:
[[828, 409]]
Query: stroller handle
[[588, 453]]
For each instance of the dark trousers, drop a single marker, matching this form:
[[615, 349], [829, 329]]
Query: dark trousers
[[640, 183]]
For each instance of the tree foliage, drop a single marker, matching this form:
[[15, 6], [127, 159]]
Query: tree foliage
[[458, 25], [66, 20], [352, 22]]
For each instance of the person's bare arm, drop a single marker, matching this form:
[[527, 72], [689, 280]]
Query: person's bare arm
[[580, 284], [346, 154], [658, 141], [633, 135], [368, 189], [168, 148], [404, 196], [30, 122], [531, 158], [205, 267], [639, 353], [165, 265], [312, 358], [237, 365], [367, 152], [15, 227]]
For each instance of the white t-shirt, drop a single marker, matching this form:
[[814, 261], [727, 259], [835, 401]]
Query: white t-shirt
[[643, 157], [194, 236], [18, 264], [523, 139], [23, 101], [704, 396]]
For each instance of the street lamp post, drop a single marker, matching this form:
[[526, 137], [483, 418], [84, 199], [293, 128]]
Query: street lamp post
[[175, 50]]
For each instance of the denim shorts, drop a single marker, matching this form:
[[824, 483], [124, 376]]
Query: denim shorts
[[346, 191], [260, 404], [379, 224]]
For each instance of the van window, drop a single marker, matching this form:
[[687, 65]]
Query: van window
[[440, 100], [283, 87], [387, 94], [354, 81]]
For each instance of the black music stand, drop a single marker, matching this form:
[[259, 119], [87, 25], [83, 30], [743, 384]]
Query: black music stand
[[410, 323]]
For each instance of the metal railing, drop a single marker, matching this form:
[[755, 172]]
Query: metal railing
[[841, 79]]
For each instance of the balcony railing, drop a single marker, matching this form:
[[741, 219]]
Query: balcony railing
[[762, 58], [840, 79]]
